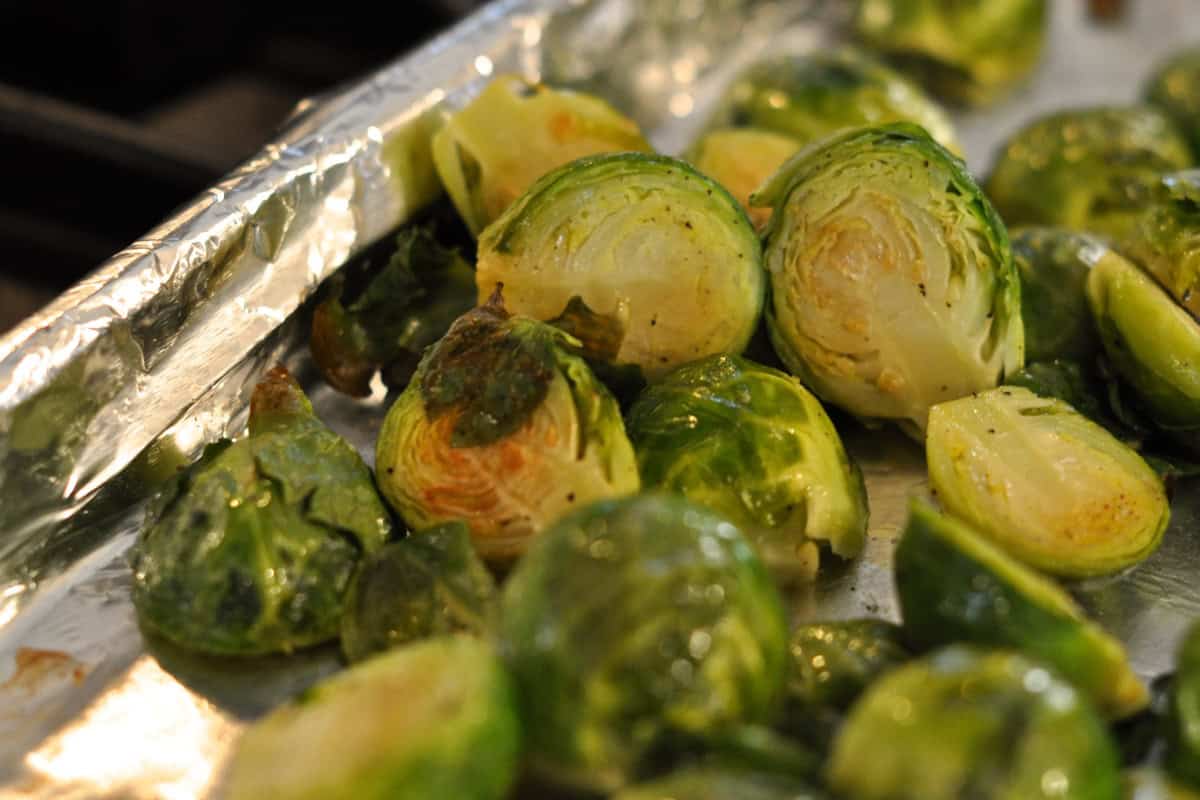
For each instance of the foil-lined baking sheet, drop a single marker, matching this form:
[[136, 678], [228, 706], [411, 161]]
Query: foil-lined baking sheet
[[129, 373]]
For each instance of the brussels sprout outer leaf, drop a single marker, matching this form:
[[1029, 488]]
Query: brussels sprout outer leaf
[[647, 233], [955, 586], [892, 280], [435, 719], [833, 662], [1165, 240], [973, 723], [1053, 265], [754, 445], [721, 783], [633, 619], [514, 132], [428, 584], [251, 550], [1158, 360], [1183, 730]]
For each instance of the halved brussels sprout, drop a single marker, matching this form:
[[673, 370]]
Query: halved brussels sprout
[[1183, 730], [1089, 169], [833, 662], [491, 151], [647, 236], [741, 159], [1165, 240], [633, 620], [1175, 88], [1053, 264], [967, 723], [428, 584], [754, 445], [893, 287], [1047, 484], [808, 97], [1082, 389], [505, 428], [251, 549], [968, 52], [955, 586], [1152, 342], [716, 783], [433, 719]]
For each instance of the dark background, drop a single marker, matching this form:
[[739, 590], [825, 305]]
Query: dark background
[[113, 114]]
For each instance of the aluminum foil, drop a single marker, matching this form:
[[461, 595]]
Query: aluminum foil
[[130, 372]]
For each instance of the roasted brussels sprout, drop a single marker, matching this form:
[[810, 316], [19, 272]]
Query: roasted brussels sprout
[[251, 549], [1183, 730], [893, 287], [715, 783], [1165, 240], [1053, 264], [754, 445], [1081, 388], [1090, 169], [644, 235], [968, 52], [633, 620], [505, 428], [808, 97], [428, 584], [955, 586], [433, 719], [741, 159], [1175, 88], [404, 308], [833, 662], [1050, 486], [1148, 783], [1158, 360], [515, 132], [973, 723]]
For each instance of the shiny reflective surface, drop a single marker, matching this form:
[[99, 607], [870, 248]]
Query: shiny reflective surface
[[161, 344]]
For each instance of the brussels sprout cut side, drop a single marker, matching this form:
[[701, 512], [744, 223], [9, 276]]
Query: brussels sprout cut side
[[1183, 731], [1087, 169], [435, 719], [1053, 264], [969, 53], [1175, 88], [505, 428], [490, 152], [1165, 240], [251, 549], [893, 287], [754, 445], [967, 723], [955, 586], [808, 97], [428, 584], [647, 236], [1049, 485], [741, 159], [636, 619]]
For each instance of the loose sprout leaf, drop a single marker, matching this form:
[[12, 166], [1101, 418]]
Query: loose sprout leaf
[[600, 335]]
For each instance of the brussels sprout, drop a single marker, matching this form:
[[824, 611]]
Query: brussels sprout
[[1175, 88], [1080, 388], [1053, 265], [1165, 240], [1087, 169], [403, 309], [968, 52], [251, 550], [1183, 730], [833, 662], [505, 428], [1150, 784], [808, 97], [741, 159], [715, 783], [434, 719], [966, 723], [428, 584], [1049, 485], [644, 235], [892, 281], [955, 586], [1158, 360], [633, 620], [491, 151], [754, 445]]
